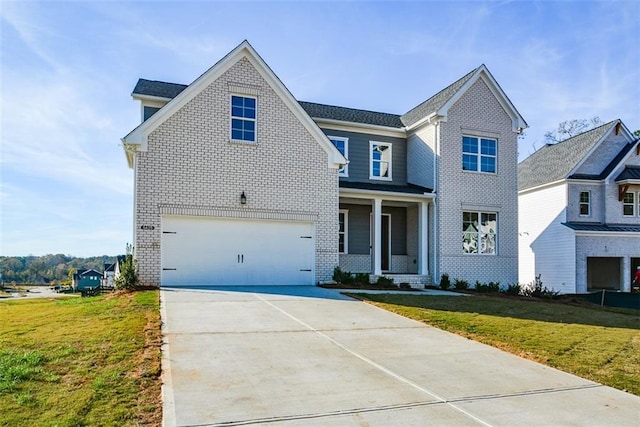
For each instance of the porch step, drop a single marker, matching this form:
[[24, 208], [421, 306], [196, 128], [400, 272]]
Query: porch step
[[414, 280]]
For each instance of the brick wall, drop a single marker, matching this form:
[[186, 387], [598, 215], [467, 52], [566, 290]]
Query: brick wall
[[477, 113], [191, 165]]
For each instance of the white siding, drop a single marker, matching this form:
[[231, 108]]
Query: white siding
[[546, 247]]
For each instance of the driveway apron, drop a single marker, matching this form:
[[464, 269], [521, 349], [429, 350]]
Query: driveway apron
[[307, 356]]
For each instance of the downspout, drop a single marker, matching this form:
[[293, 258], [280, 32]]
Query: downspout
[[436, 228]]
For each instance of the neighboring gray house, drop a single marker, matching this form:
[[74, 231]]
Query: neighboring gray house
[[236, 182], [579, 211]]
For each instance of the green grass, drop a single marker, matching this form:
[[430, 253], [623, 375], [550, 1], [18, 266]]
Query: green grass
[[80, 361], [597, 344]]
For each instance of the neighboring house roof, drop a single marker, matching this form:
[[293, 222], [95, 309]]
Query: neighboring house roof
[[629, 173], [110, 267], [409, 188], [137, 139], [609, 168], [158, 89], [344, 114], [581, 226], [554, 162]]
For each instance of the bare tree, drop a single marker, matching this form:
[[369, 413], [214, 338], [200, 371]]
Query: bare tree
[[570, 128]]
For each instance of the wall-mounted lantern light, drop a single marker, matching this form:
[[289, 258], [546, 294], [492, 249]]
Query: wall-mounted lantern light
[[243, 199]]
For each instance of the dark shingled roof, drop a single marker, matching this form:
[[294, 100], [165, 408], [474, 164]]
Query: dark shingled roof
[[156, 88], [434, 103], [578, 226], [629, 172], [321, 111], [610, 167], [409, 188], [553, 162]]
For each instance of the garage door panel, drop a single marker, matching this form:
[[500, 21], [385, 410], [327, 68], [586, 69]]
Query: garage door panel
[[205, 251]]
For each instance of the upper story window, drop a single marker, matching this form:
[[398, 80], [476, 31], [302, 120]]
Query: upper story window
[[585, 203], [243, 118], [479, 233], [343, 221], [479, 154], [342, 144], [629, 204], [380, 158]]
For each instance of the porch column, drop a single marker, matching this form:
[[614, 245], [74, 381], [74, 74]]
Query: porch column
[[377, 236], [423, 238]]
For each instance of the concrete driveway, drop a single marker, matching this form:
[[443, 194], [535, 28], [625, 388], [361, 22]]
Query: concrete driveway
[[307, 356]]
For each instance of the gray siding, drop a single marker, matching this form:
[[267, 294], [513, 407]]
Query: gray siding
[[359, 234], [359, 156]]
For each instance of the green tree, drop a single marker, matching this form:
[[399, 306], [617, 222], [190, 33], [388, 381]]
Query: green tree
[[128, 277]]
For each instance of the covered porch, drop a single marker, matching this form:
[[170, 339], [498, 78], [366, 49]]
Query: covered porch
[[386, 233]]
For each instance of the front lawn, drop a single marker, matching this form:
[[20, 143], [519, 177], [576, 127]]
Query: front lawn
[[597, 344], [81, 361]]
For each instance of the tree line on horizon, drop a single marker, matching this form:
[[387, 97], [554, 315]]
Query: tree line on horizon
[[49, 268]]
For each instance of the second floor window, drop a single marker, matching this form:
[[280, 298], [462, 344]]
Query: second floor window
[[585, 203], [342, 144], [479, 154], [243, 118], [629, 204], [380, 167]]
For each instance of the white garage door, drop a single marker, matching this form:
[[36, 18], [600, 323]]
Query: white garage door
[[199, 251]]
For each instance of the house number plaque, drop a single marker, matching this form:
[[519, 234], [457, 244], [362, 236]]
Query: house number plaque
[[147, 227]]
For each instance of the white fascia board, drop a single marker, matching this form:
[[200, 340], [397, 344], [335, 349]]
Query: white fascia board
[[357, 193], [518, 123], [629, 181], [542, 187], [156, 99], [586, 181], [584, 233], [333, 124], [431, 119]]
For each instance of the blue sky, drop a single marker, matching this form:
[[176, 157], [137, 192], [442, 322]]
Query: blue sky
[[68, 69]]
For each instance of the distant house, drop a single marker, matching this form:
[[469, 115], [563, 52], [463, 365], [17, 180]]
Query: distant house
[[85, 279], [579, 211], [111, 271]]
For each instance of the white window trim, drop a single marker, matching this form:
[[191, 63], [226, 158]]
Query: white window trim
[[380, 178], [635, 205], [588, 203], [231, 117], [345, 171], [479, 138], [480, 213], [346, 230]]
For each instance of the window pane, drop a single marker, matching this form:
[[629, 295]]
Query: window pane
[[250, 103], [470, 243], [488, 146], [584, 196], [249, 125], [628, 198], [236, 124], [341, 243], [488, 164], [236, 111], [250, 113], [237, 101], [469, 162], [249, 136], [584, 209], [376, 169], [236, 134], [469, 145]]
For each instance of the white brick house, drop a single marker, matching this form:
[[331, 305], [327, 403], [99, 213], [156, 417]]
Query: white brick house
[[236, 182], [579, 203]]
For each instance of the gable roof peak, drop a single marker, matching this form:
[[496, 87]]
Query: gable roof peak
[[438, 105]]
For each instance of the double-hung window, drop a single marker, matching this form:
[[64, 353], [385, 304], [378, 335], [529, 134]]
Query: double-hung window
[[343, 222], [585, 203], [243, 118], [380, 158], [629, 204], [342, 144], [480, 233], [479, 154]]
